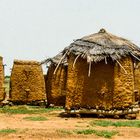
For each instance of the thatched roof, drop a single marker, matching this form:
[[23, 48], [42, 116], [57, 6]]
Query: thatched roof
[[97, 47], [55, 60], [102, 45]]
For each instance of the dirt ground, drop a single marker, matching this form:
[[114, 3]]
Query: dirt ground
[[52, 128]]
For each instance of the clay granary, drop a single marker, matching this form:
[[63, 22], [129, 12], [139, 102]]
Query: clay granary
[[27, 83], [2, 94], [100, 76], [137, 80], [56, 81]]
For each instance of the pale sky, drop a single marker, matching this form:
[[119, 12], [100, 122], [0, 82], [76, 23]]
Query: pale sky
[[36, 29]]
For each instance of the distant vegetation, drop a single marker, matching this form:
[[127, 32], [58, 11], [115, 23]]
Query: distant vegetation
[[7, 76]]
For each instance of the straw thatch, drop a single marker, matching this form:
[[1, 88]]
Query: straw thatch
[[56, 83], [27, 82], [2, 95], [100, 72], [102, 45]]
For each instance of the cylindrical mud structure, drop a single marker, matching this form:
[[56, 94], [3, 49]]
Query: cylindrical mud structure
[[56, 85]]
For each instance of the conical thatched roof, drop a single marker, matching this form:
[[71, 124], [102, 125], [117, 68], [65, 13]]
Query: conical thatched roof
[[97, 47], [102, 45]]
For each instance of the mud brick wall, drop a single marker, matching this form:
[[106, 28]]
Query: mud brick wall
[[27, 82], [56, 85], [137, 80], [89, 92], [2, 95], [124, 84], [106, 88]]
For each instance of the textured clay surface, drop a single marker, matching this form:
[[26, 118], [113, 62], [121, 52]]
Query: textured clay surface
[[137, 80], [123, 84], [108, 86], [27, 82], [56, 85], [1, 80]]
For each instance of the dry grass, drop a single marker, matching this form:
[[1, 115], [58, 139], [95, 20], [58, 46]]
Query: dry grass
[[35, 118]]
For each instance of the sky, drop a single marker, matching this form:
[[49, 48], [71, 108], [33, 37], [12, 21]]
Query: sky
[[38, 29]]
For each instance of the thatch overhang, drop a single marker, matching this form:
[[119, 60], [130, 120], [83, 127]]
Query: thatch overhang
[[59, 59], [102, 45], [55, 60], [97, 47], [56, 84]]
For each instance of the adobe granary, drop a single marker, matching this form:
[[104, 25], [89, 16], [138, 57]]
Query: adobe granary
[[2, 95], [137, 80], [101, 75], [56, 81], [27, 82]]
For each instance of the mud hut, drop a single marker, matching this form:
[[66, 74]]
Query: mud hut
[[2, 95], [137, 80], [27, 82], [101, 75], [56, 81]]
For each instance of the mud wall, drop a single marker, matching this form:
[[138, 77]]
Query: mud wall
[[56, 85], [27, 82], [137, 80], [124, 84], [89, 92], [2, 95], [106, 87]]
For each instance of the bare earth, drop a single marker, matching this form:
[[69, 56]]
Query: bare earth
[[50, 129]]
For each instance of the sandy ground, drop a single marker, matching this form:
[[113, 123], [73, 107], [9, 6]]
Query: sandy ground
[[50, 129]]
